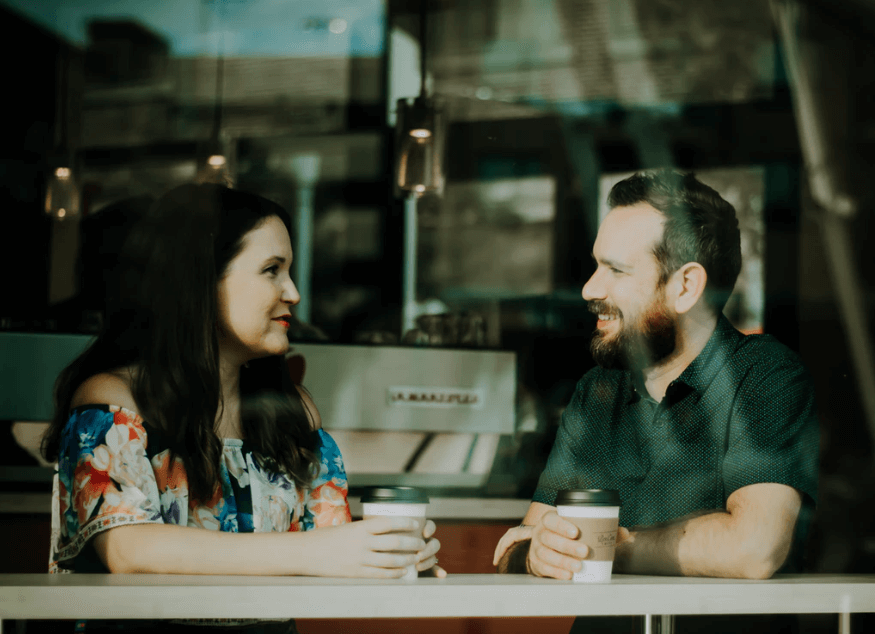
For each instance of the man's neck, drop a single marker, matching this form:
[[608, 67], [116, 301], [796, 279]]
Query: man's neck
[[693, 334]]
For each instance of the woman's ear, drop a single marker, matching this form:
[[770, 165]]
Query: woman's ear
[[688, 284]]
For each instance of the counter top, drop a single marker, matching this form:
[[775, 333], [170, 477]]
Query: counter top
[[449, 508], [469, 508], [183, 596]]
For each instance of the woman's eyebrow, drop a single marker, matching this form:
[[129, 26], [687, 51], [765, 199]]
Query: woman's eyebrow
[[275, 258]]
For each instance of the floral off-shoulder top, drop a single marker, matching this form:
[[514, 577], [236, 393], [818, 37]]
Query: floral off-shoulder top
[[115, 470]]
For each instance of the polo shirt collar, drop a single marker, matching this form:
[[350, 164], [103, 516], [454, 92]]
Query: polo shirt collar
[[698, 375]]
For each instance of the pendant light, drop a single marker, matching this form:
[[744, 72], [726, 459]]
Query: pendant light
[[62, 192], [214, 166], [419, 133]]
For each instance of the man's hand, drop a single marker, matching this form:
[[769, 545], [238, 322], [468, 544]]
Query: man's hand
[[555, 551], [515, 535], [544, 545]]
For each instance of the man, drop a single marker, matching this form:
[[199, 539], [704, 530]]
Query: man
[[710, 436]]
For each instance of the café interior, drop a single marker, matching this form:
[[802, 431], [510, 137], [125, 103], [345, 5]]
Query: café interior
[[445, 165]]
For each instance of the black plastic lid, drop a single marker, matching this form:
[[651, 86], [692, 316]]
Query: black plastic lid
[[397, 495], [588, 497]]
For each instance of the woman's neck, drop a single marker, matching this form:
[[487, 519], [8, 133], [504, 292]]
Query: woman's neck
[[228, 422]]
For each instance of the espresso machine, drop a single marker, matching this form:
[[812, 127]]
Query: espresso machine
[[401, 415]]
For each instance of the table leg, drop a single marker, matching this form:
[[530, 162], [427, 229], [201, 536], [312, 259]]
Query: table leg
[[658, 624], [844, 623]]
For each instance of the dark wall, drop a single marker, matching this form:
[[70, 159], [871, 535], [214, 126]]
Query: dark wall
[[27, 135]]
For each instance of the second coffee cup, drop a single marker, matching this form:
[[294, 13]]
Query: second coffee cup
[[596, 512], [397, 502]]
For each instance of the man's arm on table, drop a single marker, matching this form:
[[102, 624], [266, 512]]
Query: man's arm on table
[[750, 539]]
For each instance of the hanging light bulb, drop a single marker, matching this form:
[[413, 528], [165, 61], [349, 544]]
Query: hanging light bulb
[[62, 194], [215, 168], [419, 146], [62, 191], [419, 133]]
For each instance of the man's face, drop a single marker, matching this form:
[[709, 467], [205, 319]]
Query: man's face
[[636, 328]]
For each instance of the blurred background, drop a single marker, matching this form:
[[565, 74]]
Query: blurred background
[[451, 233]]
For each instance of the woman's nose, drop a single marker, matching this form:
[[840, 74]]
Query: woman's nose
[[290, 293]]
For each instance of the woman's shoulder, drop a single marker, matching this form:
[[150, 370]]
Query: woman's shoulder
[[106, 388]]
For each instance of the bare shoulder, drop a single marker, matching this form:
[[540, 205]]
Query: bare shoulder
[[310, 407], [106, 388]]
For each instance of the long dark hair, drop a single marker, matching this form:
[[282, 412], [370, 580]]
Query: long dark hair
[[165, 325]]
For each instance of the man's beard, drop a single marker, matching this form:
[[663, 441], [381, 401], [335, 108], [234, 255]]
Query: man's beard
[[635, 346]]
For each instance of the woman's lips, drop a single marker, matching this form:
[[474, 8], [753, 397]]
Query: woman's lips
[[285, 320]]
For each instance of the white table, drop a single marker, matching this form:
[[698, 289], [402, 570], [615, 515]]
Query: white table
[[183, 596]]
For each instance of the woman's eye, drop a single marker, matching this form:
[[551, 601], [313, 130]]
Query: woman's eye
[[272, 270]]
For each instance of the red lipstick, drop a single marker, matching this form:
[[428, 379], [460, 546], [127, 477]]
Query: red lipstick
[[285, 320]]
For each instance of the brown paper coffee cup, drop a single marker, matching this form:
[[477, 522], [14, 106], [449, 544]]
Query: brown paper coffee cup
[[596, 512]]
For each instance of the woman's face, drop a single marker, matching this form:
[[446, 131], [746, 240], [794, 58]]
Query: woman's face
[[255, 295]]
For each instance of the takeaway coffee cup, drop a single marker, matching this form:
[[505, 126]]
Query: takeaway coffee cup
[[398, 502], [596, 512]]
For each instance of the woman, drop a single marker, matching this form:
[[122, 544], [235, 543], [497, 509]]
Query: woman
[[180, 417]]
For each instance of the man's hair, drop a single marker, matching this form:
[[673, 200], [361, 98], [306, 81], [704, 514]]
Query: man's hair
[[699, 227]]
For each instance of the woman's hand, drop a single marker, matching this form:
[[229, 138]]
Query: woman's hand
[[427, 563], [370, 548]]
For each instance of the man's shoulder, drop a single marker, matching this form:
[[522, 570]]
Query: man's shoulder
[[765, 352], [766, 363]]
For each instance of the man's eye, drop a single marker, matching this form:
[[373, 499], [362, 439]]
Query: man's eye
[[615, 271]]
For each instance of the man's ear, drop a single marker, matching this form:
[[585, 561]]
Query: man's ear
[[688, 286]]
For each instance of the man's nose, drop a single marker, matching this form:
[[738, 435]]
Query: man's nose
[[593, 289]]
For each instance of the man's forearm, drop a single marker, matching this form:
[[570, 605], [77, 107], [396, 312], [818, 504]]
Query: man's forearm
[[708, 545], [514, 560]]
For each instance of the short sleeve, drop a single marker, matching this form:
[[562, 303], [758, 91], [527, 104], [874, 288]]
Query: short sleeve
[[327, 504], [104, 479], [564, 469], [775, 434]]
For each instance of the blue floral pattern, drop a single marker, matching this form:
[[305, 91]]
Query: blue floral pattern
[[113, 470]]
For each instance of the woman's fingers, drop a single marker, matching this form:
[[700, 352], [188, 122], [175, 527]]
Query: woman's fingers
[[429, 529], [390, 560], [430, 568], [391, 551], [430, 550], [396, 542]]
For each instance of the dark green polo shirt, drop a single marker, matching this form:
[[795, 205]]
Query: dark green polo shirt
[[741, 413]]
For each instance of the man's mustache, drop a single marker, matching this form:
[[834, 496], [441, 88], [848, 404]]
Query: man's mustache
[[599, 307]]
